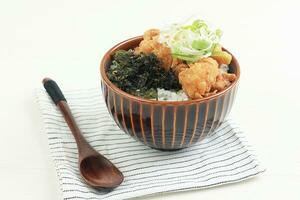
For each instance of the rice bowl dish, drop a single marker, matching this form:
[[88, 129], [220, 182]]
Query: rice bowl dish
[[180, 62]]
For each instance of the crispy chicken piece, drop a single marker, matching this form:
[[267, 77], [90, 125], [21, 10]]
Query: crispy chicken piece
[[151, 33], [178, 66], [198, 79], [150, 44], [229, 77], [210, 93], [223, 81]]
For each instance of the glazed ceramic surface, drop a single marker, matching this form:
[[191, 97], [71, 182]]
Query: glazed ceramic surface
[[163, 124]]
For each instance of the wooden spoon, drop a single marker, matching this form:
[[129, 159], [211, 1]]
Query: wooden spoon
[[95, 169]]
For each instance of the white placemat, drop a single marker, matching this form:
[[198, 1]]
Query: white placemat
[[223, 158]]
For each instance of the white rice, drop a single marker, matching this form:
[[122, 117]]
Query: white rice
[[224, 68], [167, 95]]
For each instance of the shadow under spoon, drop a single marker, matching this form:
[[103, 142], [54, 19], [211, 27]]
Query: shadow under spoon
[[95, 169]]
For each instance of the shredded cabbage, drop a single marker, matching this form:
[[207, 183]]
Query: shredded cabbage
[[190, 42]]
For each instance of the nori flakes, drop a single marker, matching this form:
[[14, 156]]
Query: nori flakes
[[140, 74]]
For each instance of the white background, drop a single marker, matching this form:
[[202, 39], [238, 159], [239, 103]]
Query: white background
[[65, 40]]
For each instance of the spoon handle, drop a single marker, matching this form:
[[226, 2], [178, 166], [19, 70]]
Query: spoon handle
[[60, 101], [53, 90]]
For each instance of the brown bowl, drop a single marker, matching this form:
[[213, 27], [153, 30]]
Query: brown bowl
[[166, 125]]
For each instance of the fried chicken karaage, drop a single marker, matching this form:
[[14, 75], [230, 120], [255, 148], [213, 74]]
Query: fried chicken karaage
[[199, 79], [150, 44]]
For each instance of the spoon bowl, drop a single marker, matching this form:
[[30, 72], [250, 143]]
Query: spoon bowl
[[98, 171]]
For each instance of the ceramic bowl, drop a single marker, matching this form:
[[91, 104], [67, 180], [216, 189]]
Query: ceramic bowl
[[165, 125]]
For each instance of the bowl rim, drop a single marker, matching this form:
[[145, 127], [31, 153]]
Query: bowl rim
[[107, 57]]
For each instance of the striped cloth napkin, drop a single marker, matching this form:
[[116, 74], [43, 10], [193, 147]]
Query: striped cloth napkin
[[224, 157]]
